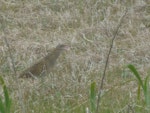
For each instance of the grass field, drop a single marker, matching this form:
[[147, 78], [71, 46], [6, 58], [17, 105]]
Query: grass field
[[33, 27]]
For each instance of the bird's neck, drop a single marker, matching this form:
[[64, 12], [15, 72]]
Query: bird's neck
[[52, 57]]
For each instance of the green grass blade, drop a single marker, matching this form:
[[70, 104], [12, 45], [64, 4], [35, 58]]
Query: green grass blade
[[5, 106], [7, 99], [1, 81], [93, 97], [146, 84], [147, 91], [139, 92], [2, 107], [132, 68]]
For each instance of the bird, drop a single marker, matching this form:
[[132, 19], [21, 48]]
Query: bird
[[45, 65]]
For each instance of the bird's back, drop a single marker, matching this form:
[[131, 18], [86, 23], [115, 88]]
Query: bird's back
[[37, 69]]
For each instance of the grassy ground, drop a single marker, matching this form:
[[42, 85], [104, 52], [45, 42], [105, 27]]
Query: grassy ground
[[33, 27]]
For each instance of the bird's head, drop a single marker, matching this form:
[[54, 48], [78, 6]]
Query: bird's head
[[63, 47]]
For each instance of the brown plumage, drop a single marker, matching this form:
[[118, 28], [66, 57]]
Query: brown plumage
[[45, 65]]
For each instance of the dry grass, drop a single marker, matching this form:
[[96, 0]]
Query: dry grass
[[33, 27]]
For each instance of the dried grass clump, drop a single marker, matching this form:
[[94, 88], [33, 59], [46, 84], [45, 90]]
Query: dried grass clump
[[34, 27]]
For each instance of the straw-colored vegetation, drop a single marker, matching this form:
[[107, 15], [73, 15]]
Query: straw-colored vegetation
[[33, 27]]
